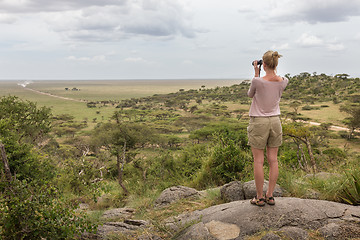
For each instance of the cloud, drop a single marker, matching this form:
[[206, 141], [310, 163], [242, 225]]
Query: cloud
[[284, 46], [312, 11], [108, 20], [98, 58], [307, 40], [188, 62], [335, 46], [36, 6], [137, 60], [7, 18]]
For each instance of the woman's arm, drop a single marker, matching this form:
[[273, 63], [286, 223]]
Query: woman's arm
[[256, 68], [252, 88], [251, 91]]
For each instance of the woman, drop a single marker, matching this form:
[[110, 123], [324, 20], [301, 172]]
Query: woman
[[265, 129]]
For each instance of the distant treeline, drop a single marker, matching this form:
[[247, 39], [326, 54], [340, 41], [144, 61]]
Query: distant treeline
[[304, 87]]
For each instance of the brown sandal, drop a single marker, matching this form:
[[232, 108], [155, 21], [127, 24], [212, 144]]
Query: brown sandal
[[270, 200], [258, 201]]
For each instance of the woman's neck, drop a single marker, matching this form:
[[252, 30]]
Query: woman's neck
[[271, 76], [270, 73]]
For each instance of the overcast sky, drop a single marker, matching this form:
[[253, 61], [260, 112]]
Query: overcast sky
[[162, 39]]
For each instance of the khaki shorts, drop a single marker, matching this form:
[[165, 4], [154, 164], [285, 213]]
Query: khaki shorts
[[264, 131]]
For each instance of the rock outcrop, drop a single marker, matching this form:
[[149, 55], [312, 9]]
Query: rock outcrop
[[118, 213], [237, 190], [290, 217], [173, 194]]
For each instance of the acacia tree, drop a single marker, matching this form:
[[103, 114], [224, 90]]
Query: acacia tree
[[300, 133], [119, 139], [353, 121]]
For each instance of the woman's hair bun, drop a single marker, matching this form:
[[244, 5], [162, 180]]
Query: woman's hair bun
[[270, 58], [276, 54]]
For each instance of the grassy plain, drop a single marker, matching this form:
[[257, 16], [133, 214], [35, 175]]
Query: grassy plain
[[99, 90]]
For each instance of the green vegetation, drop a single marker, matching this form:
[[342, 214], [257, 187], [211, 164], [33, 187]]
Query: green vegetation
[[116, 151]]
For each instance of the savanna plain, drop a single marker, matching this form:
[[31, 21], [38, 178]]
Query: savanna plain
[[115, 143]]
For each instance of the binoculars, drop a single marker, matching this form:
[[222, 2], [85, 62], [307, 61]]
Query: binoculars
[[259, 62]]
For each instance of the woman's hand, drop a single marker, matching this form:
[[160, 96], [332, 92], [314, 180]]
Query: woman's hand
[[256, 68]]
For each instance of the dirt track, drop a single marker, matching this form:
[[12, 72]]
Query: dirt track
[[56, 96]]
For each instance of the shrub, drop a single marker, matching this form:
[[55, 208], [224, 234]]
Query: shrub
[[80, 176], [228, 160], [335, 154], [30, 211]]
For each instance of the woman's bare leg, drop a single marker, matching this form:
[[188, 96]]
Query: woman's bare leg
[[271, 154], [258, 155]]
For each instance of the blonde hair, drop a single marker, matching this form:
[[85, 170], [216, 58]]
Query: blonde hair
[[270, 58]]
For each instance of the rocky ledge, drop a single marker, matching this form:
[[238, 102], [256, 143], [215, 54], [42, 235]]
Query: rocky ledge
[[289, 218]]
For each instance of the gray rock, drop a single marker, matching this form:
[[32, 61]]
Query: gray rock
[[232, 191], [222, 230], [250, 189], [118, 213], [330, 231], [114, 227], [173, 194], [294, 233], [302, 213], [139, 223], [271, 236], [196, 232]]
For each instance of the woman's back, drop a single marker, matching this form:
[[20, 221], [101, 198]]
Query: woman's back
[[266, 96]]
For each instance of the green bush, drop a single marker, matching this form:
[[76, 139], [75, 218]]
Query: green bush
[[228, 159], [307, 108], [193, 158], [80, 176], [32, 212], [335, 155]]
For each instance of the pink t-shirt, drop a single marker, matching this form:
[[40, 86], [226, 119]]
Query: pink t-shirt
[[266, 97]]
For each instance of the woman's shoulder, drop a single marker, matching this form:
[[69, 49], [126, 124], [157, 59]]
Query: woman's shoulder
[[285, 79], [255, 80]]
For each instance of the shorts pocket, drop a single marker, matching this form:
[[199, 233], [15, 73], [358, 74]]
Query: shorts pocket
[[259, 129]]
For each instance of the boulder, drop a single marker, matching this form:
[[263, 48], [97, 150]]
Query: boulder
[[126, 228], [114, 228], [118, 213], [176, 193], [330, 231], [250, 189], [294, 233], [271, 236], [222, 230], [287, 217], [232, 191], [197, 231], [340, 229]]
